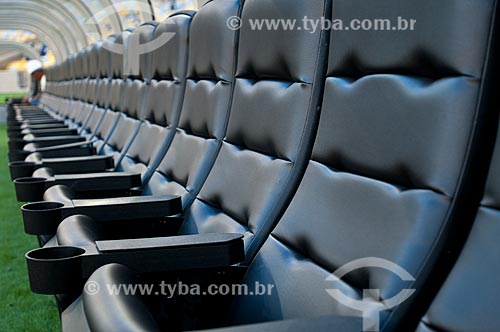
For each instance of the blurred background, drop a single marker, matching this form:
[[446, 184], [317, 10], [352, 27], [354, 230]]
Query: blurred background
[[31, 29]]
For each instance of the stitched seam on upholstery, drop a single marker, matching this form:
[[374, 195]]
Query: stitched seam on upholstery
[[402, 188], [277, 79], [431, 80], [306, 257], [290, 84], [433, 327], [224, 211], [402, 73], [496, 209], [246, 148], [171, 178]]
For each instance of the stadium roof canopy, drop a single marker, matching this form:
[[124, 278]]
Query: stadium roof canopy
[[66, 26]]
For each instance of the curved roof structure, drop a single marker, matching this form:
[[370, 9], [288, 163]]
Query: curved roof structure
[[66, 26]]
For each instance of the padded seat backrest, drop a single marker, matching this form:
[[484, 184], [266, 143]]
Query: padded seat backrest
[[115, 94], [97, 98], [470, 298], [91, 96], [97, 111], [128, 125], [137, 60], [117, 57], [100, 97], [205, 111], [71, 67], [81, 64], [105, 57], [163, 102], [393, 174], [132, 98], [112, 114], [132, 95], [271, 126], [93, 67]]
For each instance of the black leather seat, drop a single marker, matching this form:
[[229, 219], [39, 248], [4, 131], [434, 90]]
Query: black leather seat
[[165, 74], [470, 298], [75, 101], [267, 162], [203, 119], [138, 146], [131, 99], [393, 174]]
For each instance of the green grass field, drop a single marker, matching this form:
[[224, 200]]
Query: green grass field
[[4, 96], [20, 310]]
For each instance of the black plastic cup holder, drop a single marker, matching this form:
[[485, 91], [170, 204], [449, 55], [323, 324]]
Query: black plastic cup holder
[[15, 135], [30, 189], [55, 270], [16, 144], [42, 217], [21, 169], [18, 155]]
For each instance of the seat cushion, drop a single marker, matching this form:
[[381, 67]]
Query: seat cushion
[[128, 314]]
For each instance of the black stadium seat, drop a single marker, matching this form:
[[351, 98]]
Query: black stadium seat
[[193, 150], [469, 299], [122, 135], [362, 195], [352, 173], [199, 135], [166, 81]]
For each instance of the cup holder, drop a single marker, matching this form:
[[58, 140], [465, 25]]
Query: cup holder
[[14, 135], [30, 189], [55, 253], [55, 270], [21, 169], [16, 144], [18, 155], [42, 218]]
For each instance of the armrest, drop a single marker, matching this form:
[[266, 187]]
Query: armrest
[[74, 165], [126, 208], [171, 242], [77, 165], [174, 253], [18, 144], [65, 146], [53, 132], [31, 189], [59, 270], [42, 218], [84, 150], [106, 181], [78, 149], [43, 126], [42, 121], [20, 132]]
